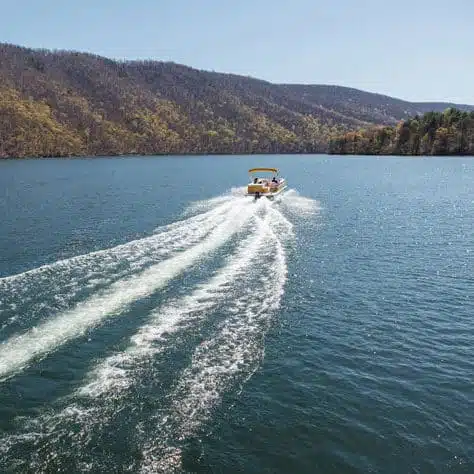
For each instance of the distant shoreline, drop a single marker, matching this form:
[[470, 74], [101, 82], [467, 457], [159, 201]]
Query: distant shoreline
[[151, 155], [199, 155]]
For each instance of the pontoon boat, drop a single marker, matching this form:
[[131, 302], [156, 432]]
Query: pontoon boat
[[270, 187]]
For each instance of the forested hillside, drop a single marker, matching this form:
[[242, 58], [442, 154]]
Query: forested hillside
[[435, 133], [67, 103]]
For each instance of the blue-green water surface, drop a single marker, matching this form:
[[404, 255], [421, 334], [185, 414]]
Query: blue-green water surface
[[154, 319]]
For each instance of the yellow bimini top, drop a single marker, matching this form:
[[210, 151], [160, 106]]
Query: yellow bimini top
[[273, 170]]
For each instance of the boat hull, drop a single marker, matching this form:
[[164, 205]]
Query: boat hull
[[268, 194]]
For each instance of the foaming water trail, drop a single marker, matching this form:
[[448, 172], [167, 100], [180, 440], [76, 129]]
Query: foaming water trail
[[243, 300], [280, 224], [19, 350], [163, 235], [117, 372], [224, 361], [207, 204], [95, 403], [299, 205], [54, 287]]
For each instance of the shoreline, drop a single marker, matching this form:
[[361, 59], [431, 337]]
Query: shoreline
[[199, 155]]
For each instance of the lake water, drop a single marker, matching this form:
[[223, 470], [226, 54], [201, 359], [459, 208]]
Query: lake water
[[152, 319]]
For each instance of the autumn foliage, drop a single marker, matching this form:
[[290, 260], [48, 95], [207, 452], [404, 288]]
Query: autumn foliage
[[66, 103], [435, 133], [63, 103]]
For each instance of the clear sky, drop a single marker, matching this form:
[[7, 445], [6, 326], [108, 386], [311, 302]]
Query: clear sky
[[411, 49]]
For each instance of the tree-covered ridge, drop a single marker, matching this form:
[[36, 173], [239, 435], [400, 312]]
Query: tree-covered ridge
[[368, 106], [28, 128], [68, 103], [63, 103], [435, 133]]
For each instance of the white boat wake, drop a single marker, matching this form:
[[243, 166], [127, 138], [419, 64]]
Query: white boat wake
[[18, 351], [232, 309]]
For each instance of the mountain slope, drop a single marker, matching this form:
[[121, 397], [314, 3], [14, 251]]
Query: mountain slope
[[367, 106], [68, 103]]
